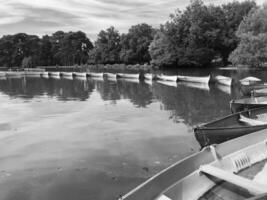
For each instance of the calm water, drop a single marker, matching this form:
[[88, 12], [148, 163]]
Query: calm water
[[95, 139]]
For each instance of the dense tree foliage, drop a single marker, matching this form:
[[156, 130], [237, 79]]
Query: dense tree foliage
[[199, 34], [59, 49], [252, 49], [107, 47], [134, 44]]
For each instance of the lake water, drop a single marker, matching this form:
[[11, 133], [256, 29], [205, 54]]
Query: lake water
[[66, 139]]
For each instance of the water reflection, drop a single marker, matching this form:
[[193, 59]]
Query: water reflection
[[104, 135]]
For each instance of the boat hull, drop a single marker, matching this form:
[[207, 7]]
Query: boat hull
[[227, 128], [80, 74], [247, 103], [205, 79], [128, 76], [66, 74], [166, 78], [223, 80]]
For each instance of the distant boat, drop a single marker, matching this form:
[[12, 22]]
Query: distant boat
[[94, 74], [148, 76], [110, 75], [54, 73], [204, 174], [32, 73], [132, 76], [44, 74], [231, 126], [2, 74], [80, 74], [259, 92], [67, 74], [250, 80], [223, 80], [204, 79], [14, 74], [248, 89], [248, 103], [165, 78]]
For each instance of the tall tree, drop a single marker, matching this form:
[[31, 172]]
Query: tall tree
[[252, 32], [134, 44], [107, 47]]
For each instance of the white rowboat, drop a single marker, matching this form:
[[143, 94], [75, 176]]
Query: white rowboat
[[132, 76], [223, 80], [166, 78], [195, 79]]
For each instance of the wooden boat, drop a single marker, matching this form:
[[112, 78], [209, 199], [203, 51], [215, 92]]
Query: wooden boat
[[45, 74], [148, 76], [110, 75], [54, 74], [231, 126], [80, 74], [2, 74], [204, 79], [166, 78], [250, 80], [66, 74], [259, 92], [32, 73], [248, 89], [223, 80], [132, 76], [247, 103], [94, 74], [216, 171], [14, 74]]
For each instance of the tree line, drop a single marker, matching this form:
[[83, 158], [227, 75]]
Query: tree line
[[201, 35]]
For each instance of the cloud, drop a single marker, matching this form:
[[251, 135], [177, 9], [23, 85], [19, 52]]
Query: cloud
[[47, 16]]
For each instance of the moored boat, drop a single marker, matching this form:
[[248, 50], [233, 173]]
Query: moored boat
[[248, 89], [14, 74], [80, 74], [66, 74], [54, 74], [259, 92], [44, 74], [32, 73], [148, 76], [110, 75], [204, 79], [125, 75], [231, 126], [229, 170], [166, 78], [248, 103], [250, 80], [95, 74], [223, 80], [2, 74], [201, 86]]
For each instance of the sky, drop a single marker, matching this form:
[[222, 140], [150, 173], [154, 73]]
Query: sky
[[42, 17]]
